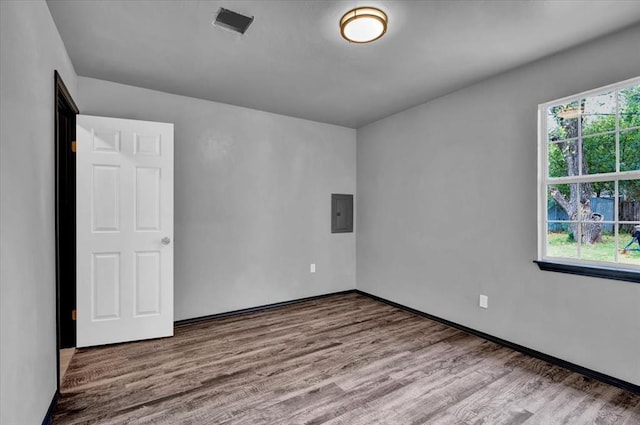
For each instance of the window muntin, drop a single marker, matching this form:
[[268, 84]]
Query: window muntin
[[589, 177]]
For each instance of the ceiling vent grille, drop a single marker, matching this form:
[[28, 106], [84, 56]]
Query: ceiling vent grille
[[233, 21]]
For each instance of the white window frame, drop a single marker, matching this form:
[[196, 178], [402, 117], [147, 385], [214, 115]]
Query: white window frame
[[544, 180]]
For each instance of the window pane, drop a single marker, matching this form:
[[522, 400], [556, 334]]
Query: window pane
[[557, 152], [598, 212], [562, 121], [600, 194], [562, 200], [603, 250], [599, 113], [592, 138], [560, 241], [630, 150], [629, 244], [599, 154], [629, 101], [602, 205], [629, 201]]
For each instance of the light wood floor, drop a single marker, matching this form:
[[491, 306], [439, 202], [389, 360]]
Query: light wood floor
[[66, 354], [339, 360]]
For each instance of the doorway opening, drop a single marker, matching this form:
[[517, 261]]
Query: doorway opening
[[65, 217]]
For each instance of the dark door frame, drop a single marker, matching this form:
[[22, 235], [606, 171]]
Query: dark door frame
[[65, 111]]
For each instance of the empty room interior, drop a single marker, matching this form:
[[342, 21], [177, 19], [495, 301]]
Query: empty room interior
[[320, 212]]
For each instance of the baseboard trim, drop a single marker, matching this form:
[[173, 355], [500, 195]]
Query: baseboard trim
[[525, 350], [48, 418], [259, 308]]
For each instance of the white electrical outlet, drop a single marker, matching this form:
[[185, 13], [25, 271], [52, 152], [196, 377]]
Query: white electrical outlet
[[312, 269], [484, 301]]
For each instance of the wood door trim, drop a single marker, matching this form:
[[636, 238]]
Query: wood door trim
[[61, 90], [62, 100]]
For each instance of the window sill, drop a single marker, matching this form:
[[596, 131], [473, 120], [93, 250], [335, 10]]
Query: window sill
[[593, 271]]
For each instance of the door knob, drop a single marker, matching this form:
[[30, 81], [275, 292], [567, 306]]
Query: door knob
[[166, 241]]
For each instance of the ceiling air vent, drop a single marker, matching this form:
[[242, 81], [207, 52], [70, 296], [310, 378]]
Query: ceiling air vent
[[234, 21]]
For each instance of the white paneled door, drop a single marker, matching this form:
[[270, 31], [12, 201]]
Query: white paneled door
[[124, 188]]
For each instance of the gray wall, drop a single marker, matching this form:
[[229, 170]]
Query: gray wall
[[252, 198], [252, 208], [30, 50], [430, 180]]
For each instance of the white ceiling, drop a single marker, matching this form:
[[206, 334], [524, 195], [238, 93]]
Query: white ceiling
[[293, 61]]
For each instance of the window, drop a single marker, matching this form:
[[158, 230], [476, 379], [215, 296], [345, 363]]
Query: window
[[589, 180]]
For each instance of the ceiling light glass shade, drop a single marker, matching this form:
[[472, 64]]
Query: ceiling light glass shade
[[363, 25]]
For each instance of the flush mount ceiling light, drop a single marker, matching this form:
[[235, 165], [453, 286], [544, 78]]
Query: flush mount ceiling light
[[363, 25]]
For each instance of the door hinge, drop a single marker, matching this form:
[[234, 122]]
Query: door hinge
[[74, 315], [73, 146]]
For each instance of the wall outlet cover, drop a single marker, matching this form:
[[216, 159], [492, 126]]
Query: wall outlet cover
[[484, 301], [312, 269]]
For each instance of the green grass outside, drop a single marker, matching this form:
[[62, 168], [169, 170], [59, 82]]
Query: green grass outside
[[561, 246]]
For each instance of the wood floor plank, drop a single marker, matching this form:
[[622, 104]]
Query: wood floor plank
[[344, 359]]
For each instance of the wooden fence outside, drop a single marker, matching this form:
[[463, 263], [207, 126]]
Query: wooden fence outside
[[628, 211]]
